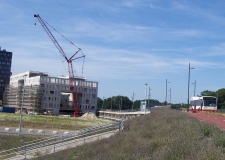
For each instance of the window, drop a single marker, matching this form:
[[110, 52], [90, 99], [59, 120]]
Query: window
[[94, 85], [52, 80]]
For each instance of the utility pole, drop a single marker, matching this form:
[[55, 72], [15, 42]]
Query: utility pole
[[189, 68], [166, 91], [133, 101], [170, 95], [146, 97], [21, 107], [194, 88], [149, 94]]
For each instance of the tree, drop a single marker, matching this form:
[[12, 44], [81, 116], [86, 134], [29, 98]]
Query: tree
[[137, 104], [208, 93], [115, 103], [179, 105], [99, 103], [221, 98]]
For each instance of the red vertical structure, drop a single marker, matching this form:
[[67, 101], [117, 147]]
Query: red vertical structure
[[69, 61]]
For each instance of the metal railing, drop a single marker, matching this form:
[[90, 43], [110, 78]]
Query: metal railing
[[63, 141]]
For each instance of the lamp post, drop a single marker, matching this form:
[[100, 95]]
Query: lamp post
[[21, 106], [189, 69], [166, 90], [194, 87]]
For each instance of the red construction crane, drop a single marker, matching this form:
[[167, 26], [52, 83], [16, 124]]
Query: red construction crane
[[69, 61]]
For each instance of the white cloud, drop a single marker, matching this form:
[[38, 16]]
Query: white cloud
[[200, 64], [216, 50]]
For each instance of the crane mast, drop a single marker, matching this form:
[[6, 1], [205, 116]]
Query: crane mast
[[69, 61]]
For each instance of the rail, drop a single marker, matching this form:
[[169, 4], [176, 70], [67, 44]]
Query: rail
[[61, 141]]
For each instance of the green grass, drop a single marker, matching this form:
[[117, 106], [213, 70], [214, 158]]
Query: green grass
[[47, 122], [40, 122], [9, 141], [163, 134]]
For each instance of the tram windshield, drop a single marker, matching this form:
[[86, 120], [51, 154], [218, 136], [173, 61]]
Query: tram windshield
[[209, 101]]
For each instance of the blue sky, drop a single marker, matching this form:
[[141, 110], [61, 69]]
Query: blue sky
[[127, 43]]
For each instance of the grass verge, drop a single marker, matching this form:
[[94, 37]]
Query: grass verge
[[163, 134], [48, 122]]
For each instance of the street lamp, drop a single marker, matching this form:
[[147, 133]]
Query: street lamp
[[21, 106], [194, 87], [189, 68], [166, 91]]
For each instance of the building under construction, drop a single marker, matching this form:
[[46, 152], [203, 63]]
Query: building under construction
[[38, 93]]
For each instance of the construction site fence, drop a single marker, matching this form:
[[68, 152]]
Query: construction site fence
[[63, 141]]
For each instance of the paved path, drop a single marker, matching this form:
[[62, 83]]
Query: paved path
[[210, 117]]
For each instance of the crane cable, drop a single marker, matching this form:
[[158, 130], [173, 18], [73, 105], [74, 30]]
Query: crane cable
[[62, 35], [69, 42]]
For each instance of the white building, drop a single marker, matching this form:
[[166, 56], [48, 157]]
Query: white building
[[38, 92]]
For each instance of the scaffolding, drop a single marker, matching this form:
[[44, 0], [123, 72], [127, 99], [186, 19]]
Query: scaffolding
[[29, 97]]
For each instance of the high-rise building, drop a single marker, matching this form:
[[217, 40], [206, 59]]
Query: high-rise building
[[5, 70]]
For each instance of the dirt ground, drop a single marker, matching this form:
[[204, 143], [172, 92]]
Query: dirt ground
[[210, 117]]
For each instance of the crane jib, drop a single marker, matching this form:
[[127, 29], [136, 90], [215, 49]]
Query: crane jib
[[69, 61]]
